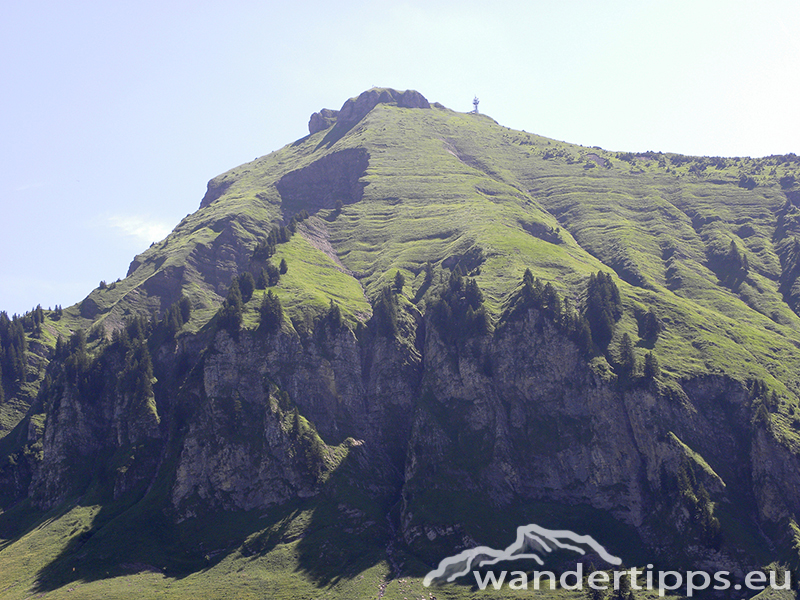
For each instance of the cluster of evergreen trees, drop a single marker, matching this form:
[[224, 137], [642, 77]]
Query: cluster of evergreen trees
[[603, 307], [595, 327], [270, 313], [175, 317], [533, 294], [697, 500], [14, 345], [730, 264], [459, 311], [132, 343], [271, 275], [280, 234], [333, 318], [649, 326], [127, 354], [229, 315], [762, 401], [734, 265], [426, 282], [384, 320], [13, 348], [75, 358], [240, 292], [136, 377], [32, 320], [627, 364]]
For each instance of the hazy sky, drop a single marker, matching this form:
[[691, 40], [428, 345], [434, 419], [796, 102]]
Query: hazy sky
[[114, 115]]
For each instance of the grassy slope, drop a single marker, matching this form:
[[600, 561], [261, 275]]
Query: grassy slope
[[440, 182]]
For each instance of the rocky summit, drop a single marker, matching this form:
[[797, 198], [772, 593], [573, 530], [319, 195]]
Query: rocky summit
[[403, 336]]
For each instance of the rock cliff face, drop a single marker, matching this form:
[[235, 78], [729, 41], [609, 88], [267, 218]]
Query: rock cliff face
[[321, 120], [334, 178], [356, 109], [514, 416], [88, 425]]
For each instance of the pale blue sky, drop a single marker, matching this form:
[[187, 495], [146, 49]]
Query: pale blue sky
[[114, 115]]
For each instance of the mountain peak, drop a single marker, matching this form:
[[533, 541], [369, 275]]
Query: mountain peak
[[354, 109]]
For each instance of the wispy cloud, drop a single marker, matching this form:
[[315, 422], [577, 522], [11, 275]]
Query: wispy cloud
[[29, 186], [143, 228]]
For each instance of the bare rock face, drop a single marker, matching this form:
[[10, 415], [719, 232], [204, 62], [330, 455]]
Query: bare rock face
[[240, 451], [332, 178], [81, 427], [321, 120], [243, 449], [215, 189], [357, 108]]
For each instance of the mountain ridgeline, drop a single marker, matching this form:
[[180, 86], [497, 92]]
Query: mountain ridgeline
[[406, 334]]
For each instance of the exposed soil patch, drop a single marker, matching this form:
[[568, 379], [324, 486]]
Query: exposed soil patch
[[598, 160], [316, 232]]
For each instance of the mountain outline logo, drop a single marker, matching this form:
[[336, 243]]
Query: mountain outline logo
[[528, 536]]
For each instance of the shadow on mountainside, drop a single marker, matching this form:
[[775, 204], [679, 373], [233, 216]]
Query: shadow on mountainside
[[349, 531], [345, 534]]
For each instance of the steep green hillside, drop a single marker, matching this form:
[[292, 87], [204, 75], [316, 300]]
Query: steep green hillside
[[447, 362]]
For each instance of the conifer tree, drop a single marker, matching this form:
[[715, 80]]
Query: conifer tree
[[384, 314], [246, 286], [230, 315], [428, 275], [527, 277], [627, 356], [283, 267], [185, 306], [136, 378], [593, 593], [583, 335], [552, 301], [334, 316], [651, 368], [77, 362], [263, 280], [603, 307], [426, 282], [473, 294], [650, 326], [271, 313], [399, 282], [624, 592], [273, 275]]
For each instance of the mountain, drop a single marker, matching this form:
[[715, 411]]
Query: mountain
[[406, 334]]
